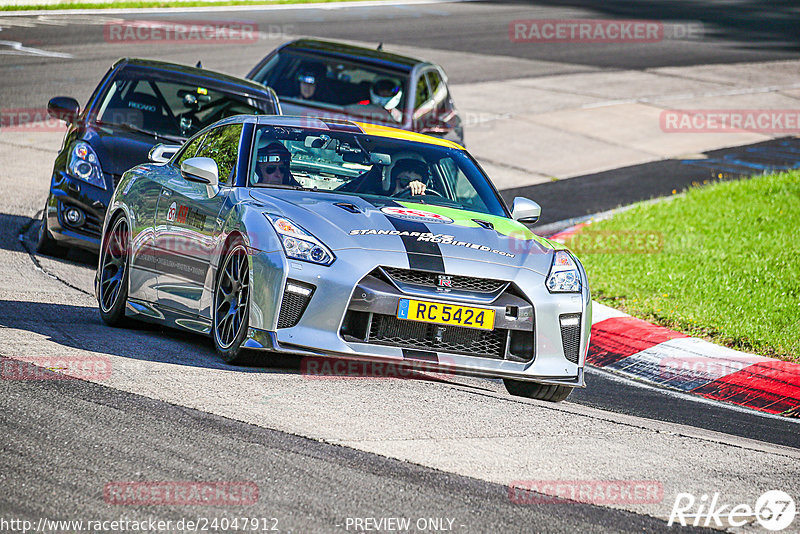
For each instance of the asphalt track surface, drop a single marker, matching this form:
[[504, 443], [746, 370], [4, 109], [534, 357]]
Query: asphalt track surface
[[62, 440]]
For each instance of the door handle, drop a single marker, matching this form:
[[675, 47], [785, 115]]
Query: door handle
[[165, 192]]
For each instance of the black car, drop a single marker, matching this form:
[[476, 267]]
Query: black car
[[335, 80], [137, 105]]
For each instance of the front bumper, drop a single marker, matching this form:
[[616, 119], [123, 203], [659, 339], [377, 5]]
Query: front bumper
[[92, 201], [347, 287]]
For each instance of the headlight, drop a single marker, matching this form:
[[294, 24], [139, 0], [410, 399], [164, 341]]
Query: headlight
[[299, 244], [564, 276], [84, 165]]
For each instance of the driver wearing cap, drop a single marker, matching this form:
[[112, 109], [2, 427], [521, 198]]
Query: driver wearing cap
[[272, 165]]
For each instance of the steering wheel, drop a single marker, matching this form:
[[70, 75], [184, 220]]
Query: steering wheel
[[406, 192]]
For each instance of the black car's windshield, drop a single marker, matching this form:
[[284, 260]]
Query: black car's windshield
[[353, 88], [172, 108], [377, 168]]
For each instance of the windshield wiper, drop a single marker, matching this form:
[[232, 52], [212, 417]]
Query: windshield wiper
[[132, 128]]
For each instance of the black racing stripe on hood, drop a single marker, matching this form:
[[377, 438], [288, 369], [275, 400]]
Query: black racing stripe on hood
[[424, 256]]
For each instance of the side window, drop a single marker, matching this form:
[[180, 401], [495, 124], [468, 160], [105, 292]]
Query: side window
[[439, 90], [423, 94], [222, 145], [189, 150]]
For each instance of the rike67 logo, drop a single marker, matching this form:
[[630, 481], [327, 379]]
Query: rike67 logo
[[774, 510]]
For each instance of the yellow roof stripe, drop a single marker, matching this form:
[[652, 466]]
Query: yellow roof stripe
[[396, 133]]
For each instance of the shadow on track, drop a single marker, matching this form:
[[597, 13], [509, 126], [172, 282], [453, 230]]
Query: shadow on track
[[767, 24]]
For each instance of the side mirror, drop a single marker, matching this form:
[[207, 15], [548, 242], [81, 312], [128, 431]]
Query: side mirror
[[526, 210], [64, 108], [162, 153], [201, 170]]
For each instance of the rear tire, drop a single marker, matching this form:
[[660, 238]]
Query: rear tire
[[532, 390], [113, 280], [231, 309], [46, 244]]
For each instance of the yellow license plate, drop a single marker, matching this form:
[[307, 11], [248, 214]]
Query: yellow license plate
[[436, 312]]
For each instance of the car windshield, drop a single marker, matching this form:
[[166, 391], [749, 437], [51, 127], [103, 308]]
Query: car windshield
[[379, 169], [343, 86], [172, 107]]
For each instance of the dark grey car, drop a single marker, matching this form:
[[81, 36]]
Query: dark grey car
[[335, 80]]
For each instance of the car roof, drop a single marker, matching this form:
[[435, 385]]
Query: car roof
[[344, 126], [198, 72], [344, 51]]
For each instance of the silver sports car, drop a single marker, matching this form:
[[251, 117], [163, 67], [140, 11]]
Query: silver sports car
[[325, 238]]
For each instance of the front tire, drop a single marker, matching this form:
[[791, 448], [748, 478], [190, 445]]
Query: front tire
[[232, 303], [113, 278], [532, 390], [46, 244]]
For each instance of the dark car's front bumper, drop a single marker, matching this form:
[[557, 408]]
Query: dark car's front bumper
[[92, 201]]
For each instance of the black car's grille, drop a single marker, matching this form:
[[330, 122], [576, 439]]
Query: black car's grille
[[389, 330], [296, 297], [428, 279], [93, 224], [571, 336]]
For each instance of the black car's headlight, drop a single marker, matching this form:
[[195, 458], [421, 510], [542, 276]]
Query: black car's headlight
[[84, 165], [564, 276], [298, 243]]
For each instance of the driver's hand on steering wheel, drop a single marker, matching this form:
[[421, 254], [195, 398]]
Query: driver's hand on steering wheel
[[417, 187]]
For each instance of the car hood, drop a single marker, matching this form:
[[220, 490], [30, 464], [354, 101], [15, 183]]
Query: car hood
[[349, 221], [119, 149]]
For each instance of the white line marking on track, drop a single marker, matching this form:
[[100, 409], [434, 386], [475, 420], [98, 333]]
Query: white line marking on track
[[18, 49]]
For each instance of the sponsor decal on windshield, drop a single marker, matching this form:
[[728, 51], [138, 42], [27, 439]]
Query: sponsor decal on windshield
[[429, 237], [412, 214]]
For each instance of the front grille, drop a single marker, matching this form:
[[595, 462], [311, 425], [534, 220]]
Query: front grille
[[428, 279], [389, 330], [294, 302], [571, 336]]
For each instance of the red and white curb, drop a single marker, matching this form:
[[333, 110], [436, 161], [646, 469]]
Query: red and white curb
[[666, 358], [670, 359]]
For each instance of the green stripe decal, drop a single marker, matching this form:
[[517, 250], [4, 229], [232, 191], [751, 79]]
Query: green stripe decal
[[502, 225]]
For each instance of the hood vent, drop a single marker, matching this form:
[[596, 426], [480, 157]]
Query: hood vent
[[484, 224], [352, 208]]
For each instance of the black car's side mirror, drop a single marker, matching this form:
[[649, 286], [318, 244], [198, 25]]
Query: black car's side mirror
[[64, 108]]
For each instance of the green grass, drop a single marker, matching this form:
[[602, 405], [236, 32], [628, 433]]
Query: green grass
[[126, 4], [723, 263]]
